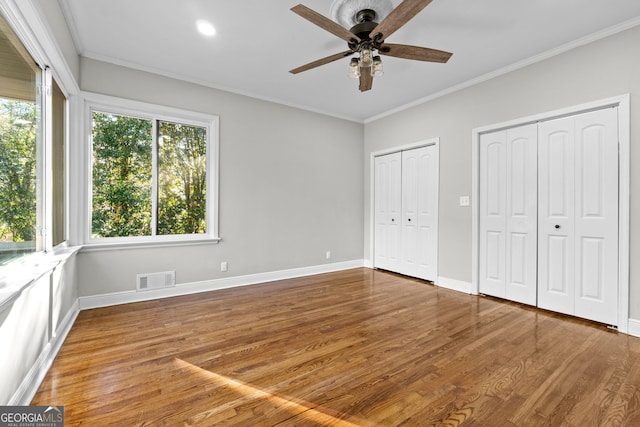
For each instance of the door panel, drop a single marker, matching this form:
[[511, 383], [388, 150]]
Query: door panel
[[508, 193], [427, 213], [596, 221], [555, 215], [387, 215], [521, 215], [591, 256], [578, 214], [558, 277], [410, 212], [419, 192], [493, 189]]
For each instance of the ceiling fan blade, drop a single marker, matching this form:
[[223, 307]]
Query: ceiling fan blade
[[325, 23], [366, 79], [414, 52], [322, 61], [398, 17]]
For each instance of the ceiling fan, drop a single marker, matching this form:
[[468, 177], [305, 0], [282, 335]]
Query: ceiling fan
[[368, 36]]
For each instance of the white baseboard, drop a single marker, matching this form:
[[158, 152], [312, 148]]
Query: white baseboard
[[454, 284], [116, 298], [34, 378], [634, 327]]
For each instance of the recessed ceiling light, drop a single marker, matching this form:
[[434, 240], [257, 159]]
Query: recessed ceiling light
[[206, 28]]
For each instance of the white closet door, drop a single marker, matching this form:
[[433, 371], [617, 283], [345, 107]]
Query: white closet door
[[419, 212], [508, 214], [522, 214], [596, 225], [410, 212], [578, 210], [493, 190], [556, 215], [428, 172], [388, 215]]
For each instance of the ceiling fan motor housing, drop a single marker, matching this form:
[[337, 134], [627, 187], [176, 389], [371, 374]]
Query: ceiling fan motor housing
[[366, 19], [363, 29], [345, 12]]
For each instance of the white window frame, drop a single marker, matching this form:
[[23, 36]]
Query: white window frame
[[18, 274], [119, 106]]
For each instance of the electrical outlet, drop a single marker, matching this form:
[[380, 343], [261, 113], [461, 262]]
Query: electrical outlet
[[223, 266], [328, 255], [464, 200]]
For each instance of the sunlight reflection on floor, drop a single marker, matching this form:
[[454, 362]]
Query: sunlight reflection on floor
[[301, 409]]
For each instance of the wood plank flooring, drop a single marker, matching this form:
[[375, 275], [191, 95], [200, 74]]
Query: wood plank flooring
[[351, 348]]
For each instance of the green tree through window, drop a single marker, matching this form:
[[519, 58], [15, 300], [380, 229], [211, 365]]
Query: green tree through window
[[18, 131], [122, 164], [124, 178], [182, 172]]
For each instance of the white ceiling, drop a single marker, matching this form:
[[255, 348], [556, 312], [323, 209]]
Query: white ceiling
[[258, 41]]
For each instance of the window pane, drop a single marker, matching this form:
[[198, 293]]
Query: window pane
[[182, 177], [58, 154], [19, 148], [121, 176]]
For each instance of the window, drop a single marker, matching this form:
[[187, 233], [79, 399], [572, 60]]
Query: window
[[58, 167], [32, 152], [152, 175], [20, 149]]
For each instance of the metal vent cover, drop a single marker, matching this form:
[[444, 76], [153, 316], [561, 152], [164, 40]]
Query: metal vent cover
[[147, 281]]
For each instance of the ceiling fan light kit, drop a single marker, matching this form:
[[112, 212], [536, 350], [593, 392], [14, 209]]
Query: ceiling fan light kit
[[366, 36]]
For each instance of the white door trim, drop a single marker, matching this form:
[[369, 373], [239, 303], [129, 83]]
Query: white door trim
[[624, 134], [374, 154]]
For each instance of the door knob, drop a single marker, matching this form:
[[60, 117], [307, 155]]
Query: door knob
[[409, 219], [557, 226], [392, 219]]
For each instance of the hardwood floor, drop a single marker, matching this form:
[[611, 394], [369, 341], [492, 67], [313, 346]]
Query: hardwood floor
[[352, 348]]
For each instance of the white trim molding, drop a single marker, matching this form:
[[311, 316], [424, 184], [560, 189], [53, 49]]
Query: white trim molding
[[590, 38], [29, 386], [455, 285], [116, 298], [634, 327], [624, 136]]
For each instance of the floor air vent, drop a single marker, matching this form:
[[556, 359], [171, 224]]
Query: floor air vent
[[165, 279]]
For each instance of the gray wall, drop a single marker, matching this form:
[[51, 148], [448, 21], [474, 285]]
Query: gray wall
[[290, 187], [27, 325], [602, 69]]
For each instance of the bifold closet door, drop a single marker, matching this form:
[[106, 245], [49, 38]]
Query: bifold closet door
[[419, 216], [405, 217], [508, 214], [388, 214], [578, 215]]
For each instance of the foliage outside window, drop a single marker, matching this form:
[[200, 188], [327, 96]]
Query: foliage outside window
[[21, 166], [18, 161], [150, 178], [122, 166], [182, 175]]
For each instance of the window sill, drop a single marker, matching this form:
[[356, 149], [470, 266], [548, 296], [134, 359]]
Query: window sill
[[16, 276], [112, 246]]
